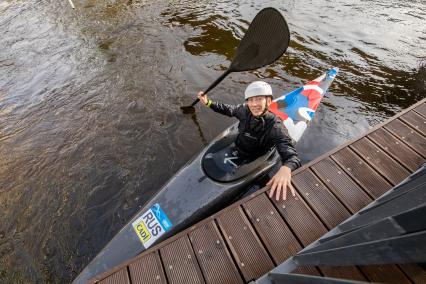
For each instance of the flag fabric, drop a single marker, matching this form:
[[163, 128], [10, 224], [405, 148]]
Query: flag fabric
[[298, 107]]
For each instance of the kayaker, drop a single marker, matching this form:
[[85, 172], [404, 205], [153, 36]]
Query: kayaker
[[260, 130]]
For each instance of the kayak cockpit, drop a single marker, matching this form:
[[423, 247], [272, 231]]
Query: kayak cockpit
[[222, 162]]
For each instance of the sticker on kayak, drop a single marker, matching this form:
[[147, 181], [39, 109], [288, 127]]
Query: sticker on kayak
[[151, 225]]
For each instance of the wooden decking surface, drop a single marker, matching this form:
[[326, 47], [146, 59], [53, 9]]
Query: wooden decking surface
[[249, 238]]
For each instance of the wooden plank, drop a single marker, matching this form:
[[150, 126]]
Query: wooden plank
[[416, 273], [147, 269], [335, 178], [342, 272], [415, 121], [319, 197], [271, 228], [361, 172], [416, 141], [308, 228], [380, 161], [180, 263], [303, 222], [213, 256], [120, 276], [384, 274], [247, 250], [273, 231], [421, 109], [306, 270], [397, 149]]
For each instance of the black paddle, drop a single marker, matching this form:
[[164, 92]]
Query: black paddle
[[266, 39]]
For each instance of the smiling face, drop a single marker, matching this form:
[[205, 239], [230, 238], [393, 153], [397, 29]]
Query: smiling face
[[258, 104]]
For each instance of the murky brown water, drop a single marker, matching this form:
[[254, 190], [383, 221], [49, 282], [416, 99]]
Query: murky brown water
[[90, 125]]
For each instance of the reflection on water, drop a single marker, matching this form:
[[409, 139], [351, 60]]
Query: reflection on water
[[90, 124]]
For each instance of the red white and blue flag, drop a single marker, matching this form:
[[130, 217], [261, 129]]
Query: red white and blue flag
[[298, 107]]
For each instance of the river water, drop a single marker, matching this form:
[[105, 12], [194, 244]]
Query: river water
[[90, 124]]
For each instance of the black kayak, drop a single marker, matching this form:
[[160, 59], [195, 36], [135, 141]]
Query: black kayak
[[211, 180]]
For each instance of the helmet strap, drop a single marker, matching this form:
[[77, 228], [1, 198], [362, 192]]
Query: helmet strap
[[265, 109], [266, 105]]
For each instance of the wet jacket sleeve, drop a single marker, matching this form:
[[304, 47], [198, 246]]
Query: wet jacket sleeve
[[285, 148], [228, 110]]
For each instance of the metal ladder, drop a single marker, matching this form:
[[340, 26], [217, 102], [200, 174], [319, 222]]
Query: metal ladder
[[390, 230]]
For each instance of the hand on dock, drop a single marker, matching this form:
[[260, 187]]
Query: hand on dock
[[280, 182]]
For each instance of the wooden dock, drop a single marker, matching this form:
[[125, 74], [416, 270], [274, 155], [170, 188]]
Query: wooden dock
[[249, 238]]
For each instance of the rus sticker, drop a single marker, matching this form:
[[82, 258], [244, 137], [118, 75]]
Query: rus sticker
[[151, 225]]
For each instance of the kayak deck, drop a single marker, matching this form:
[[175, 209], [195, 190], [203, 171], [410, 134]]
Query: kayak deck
[[249, 238]]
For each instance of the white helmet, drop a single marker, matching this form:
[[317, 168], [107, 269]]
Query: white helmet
[[258, 88]]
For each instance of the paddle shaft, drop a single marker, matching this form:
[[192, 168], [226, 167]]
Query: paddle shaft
[[214, 84]]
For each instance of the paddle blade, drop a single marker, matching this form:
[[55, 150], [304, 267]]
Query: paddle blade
[[266, 39]]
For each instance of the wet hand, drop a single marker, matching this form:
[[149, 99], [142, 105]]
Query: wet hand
[[280, 182], [202, 97]]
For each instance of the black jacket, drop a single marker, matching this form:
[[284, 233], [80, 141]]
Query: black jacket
[[258, 135]]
